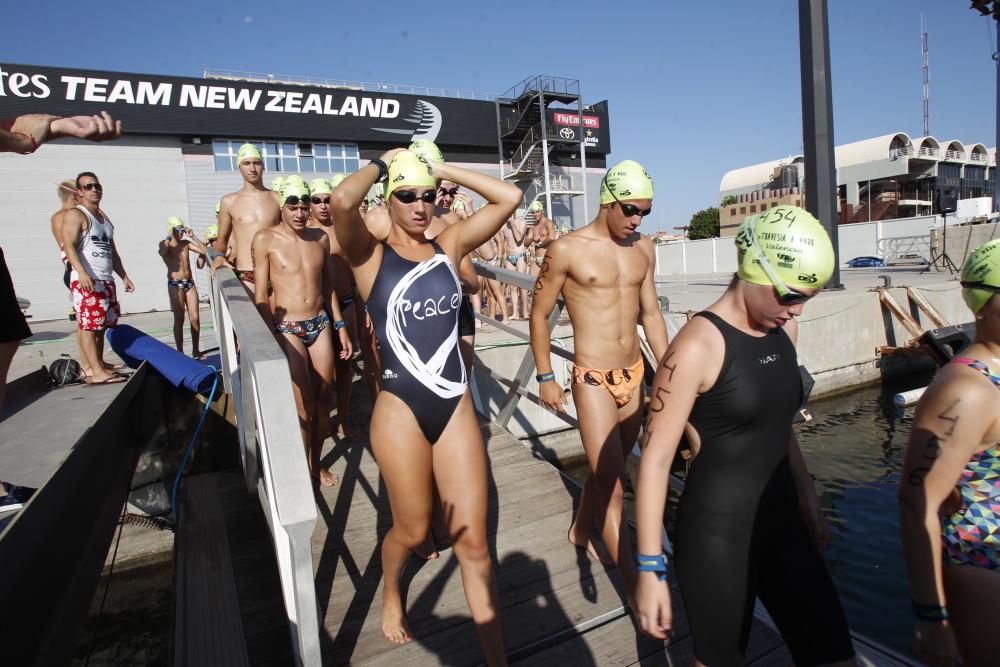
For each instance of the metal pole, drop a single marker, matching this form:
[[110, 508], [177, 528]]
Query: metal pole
[[996, 180], [545, 151], [817, 121]]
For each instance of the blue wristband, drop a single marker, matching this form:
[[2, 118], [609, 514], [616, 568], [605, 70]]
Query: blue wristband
[[656, 564], [545, 377], [929, 612], [339, 324]]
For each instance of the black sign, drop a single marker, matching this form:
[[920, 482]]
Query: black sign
[[566, 125], [148, 104]]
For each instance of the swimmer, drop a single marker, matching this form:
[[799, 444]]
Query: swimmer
[[181, 290], [605, 274], [950, 485], [541, 234], [514, 234], [244, 213], [211, 233], [296, 260], [750, 522], [343, 283], [424, 430]]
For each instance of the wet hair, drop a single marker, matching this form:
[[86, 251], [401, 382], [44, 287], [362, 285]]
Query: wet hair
[[64, 194], [82, 174]]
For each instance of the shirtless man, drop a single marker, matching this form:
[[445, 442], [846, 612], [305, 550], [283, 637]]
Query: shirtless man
[[211, 233], [514, 233], [175, 251], [296, 260], [244, 213], [540, 235], [320, 192], [605, 274]]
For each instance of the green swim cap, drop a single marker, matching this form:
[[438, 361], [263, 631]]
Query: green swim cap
[[427, 150], [292, 187], [337, 179], [536, 205], [276, 183], [794, 243], [218, 207], [247, 152], [212, 232], [982, 266], [626, 180], [318, 185], [174, 221], [407, 169]]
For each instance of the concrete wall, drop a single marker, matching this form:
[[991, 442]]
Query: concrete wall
[[963, 240], [144, 184]]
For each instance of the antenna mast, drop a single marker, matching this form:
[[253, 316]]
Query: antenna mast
[[927, 78]]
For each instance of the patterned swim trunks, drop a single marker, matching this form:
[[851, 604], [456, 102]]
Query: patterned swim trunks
[[96, 309]]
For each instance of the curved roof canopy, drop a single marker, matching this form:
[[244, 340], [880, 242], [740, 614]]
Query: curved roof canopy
[[756, 174], [876, 148]]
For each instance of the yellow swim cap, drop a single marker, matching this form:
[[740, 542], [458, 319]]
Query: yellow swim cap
[[318, 185], [337, 179], [793, 243], [174, 221], [292, 187], [428, 150], [408, 170], [212, 232], [626, 180], [218, 207], [276, 183], [247, 152], [536, 205], [981, 268]]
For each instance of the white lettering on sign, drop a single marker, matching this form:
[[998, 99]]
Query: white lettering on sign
[[95, 90], [193, 96], [573, 120], [16, 82], [121, 92], [159, 95], [243, 99], [216, 98], [276, 96]]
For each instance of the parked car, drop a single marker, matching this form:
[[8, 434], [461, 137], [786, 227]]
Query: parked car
[[865, 262], [910, 258]]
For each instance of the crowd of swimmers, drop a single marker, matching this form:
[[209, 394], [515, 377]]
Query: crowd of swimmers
[[332, 271]]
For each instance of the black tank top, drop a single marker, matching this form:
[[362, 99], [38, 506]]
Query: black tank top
[[415, 308], [745, 424]]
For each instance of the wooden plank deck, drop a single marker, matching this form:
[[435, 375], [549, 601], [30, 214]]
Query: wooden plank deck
[[558, 607]]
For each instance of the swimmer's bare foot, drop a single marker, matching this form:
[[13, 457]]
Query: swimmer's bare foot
[[327, 478], [394, 625], [587, 542]]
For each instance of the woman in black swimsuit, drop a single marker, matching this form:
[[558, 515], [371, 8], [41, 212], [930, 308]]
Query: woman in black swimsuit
[[423, 426], [749, 522]]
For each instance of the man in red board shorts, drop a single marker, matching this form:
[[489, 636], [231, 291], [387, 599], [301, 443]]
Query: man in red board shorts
[[88, 239]]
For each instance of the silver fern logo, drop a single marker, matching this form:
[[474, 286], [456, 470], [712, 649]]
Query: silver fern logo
[[425, 117]]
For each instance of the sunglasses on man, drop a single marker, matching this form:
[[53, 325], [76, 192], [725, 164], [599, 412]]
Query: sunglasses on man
[[446, 192], [785, 294], [92, 186], [628, 210], [318, 200], [409, 196]]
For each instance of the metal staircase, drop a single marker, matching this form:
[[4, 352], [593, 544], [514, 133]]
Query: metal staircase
[[527, 139]]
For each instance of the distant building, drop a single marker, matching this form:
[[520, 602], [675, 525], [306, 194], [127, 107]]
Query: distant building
[[885, 177]]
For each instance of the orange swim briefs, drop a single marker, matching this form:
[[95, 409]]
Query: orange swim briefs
[[621, 383]]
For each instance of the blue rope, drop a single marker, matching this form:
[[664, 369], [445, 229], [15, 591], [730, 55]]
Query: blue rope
[[190, 447]]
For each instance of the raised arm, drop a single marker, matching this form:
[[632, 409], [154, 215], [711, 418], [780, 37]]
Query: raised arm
[[551, 278], [679, 378], [354, 238], [501, 200], [24, 134], [948, 429], [649, 306]]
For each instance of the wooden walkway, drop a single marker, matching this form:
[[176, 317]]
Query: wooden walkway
[[558, 606]]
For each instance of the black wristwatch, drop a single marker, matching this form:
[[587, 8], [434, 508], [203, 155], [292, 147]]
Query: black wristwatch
[[383, 171]]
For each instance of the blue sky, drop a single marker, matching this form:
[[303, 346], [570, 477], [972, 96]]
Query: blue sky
[[695, 88]]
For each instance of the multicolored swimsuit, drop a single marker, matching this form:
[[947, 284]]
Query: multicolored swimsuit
[[971, 536], [308, 330], [184, 283]]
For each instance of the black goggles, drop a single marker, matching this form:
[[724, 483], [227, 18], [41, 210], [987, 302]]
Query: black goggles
[[628, 210], [409, 196], [979, 284], [318, 200], [294, 200]]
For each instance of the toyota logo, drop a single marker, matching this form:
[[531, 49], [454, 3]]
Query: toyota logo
[[567, 133]]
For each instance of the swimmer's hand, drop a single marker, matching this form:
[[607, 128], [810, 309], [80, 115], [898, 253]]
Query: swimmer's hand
[[552, 396], [346, 350], [218, 263], [92, 128], [812, 515], [936, 643], [388, 156], [653, 610]]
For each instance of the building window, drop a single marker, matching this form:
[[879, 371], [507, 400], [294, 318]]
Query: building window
[[291, 158], [743, 209], [732, 211], [753, 208]]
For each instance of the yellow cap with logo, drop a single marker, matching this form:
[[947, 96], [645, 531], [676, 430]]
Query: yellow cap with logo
[[981, 268], [320, 185], [247, 152], [427, 149], [292, 187], [626, 180], [408, 170], [793, 243], [174, 222], [212, 232]]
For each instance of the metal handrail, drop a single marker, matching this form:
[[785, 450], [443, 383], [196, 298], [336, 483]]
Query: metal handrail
[[343, 84], [542, 83], [274, 463]]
